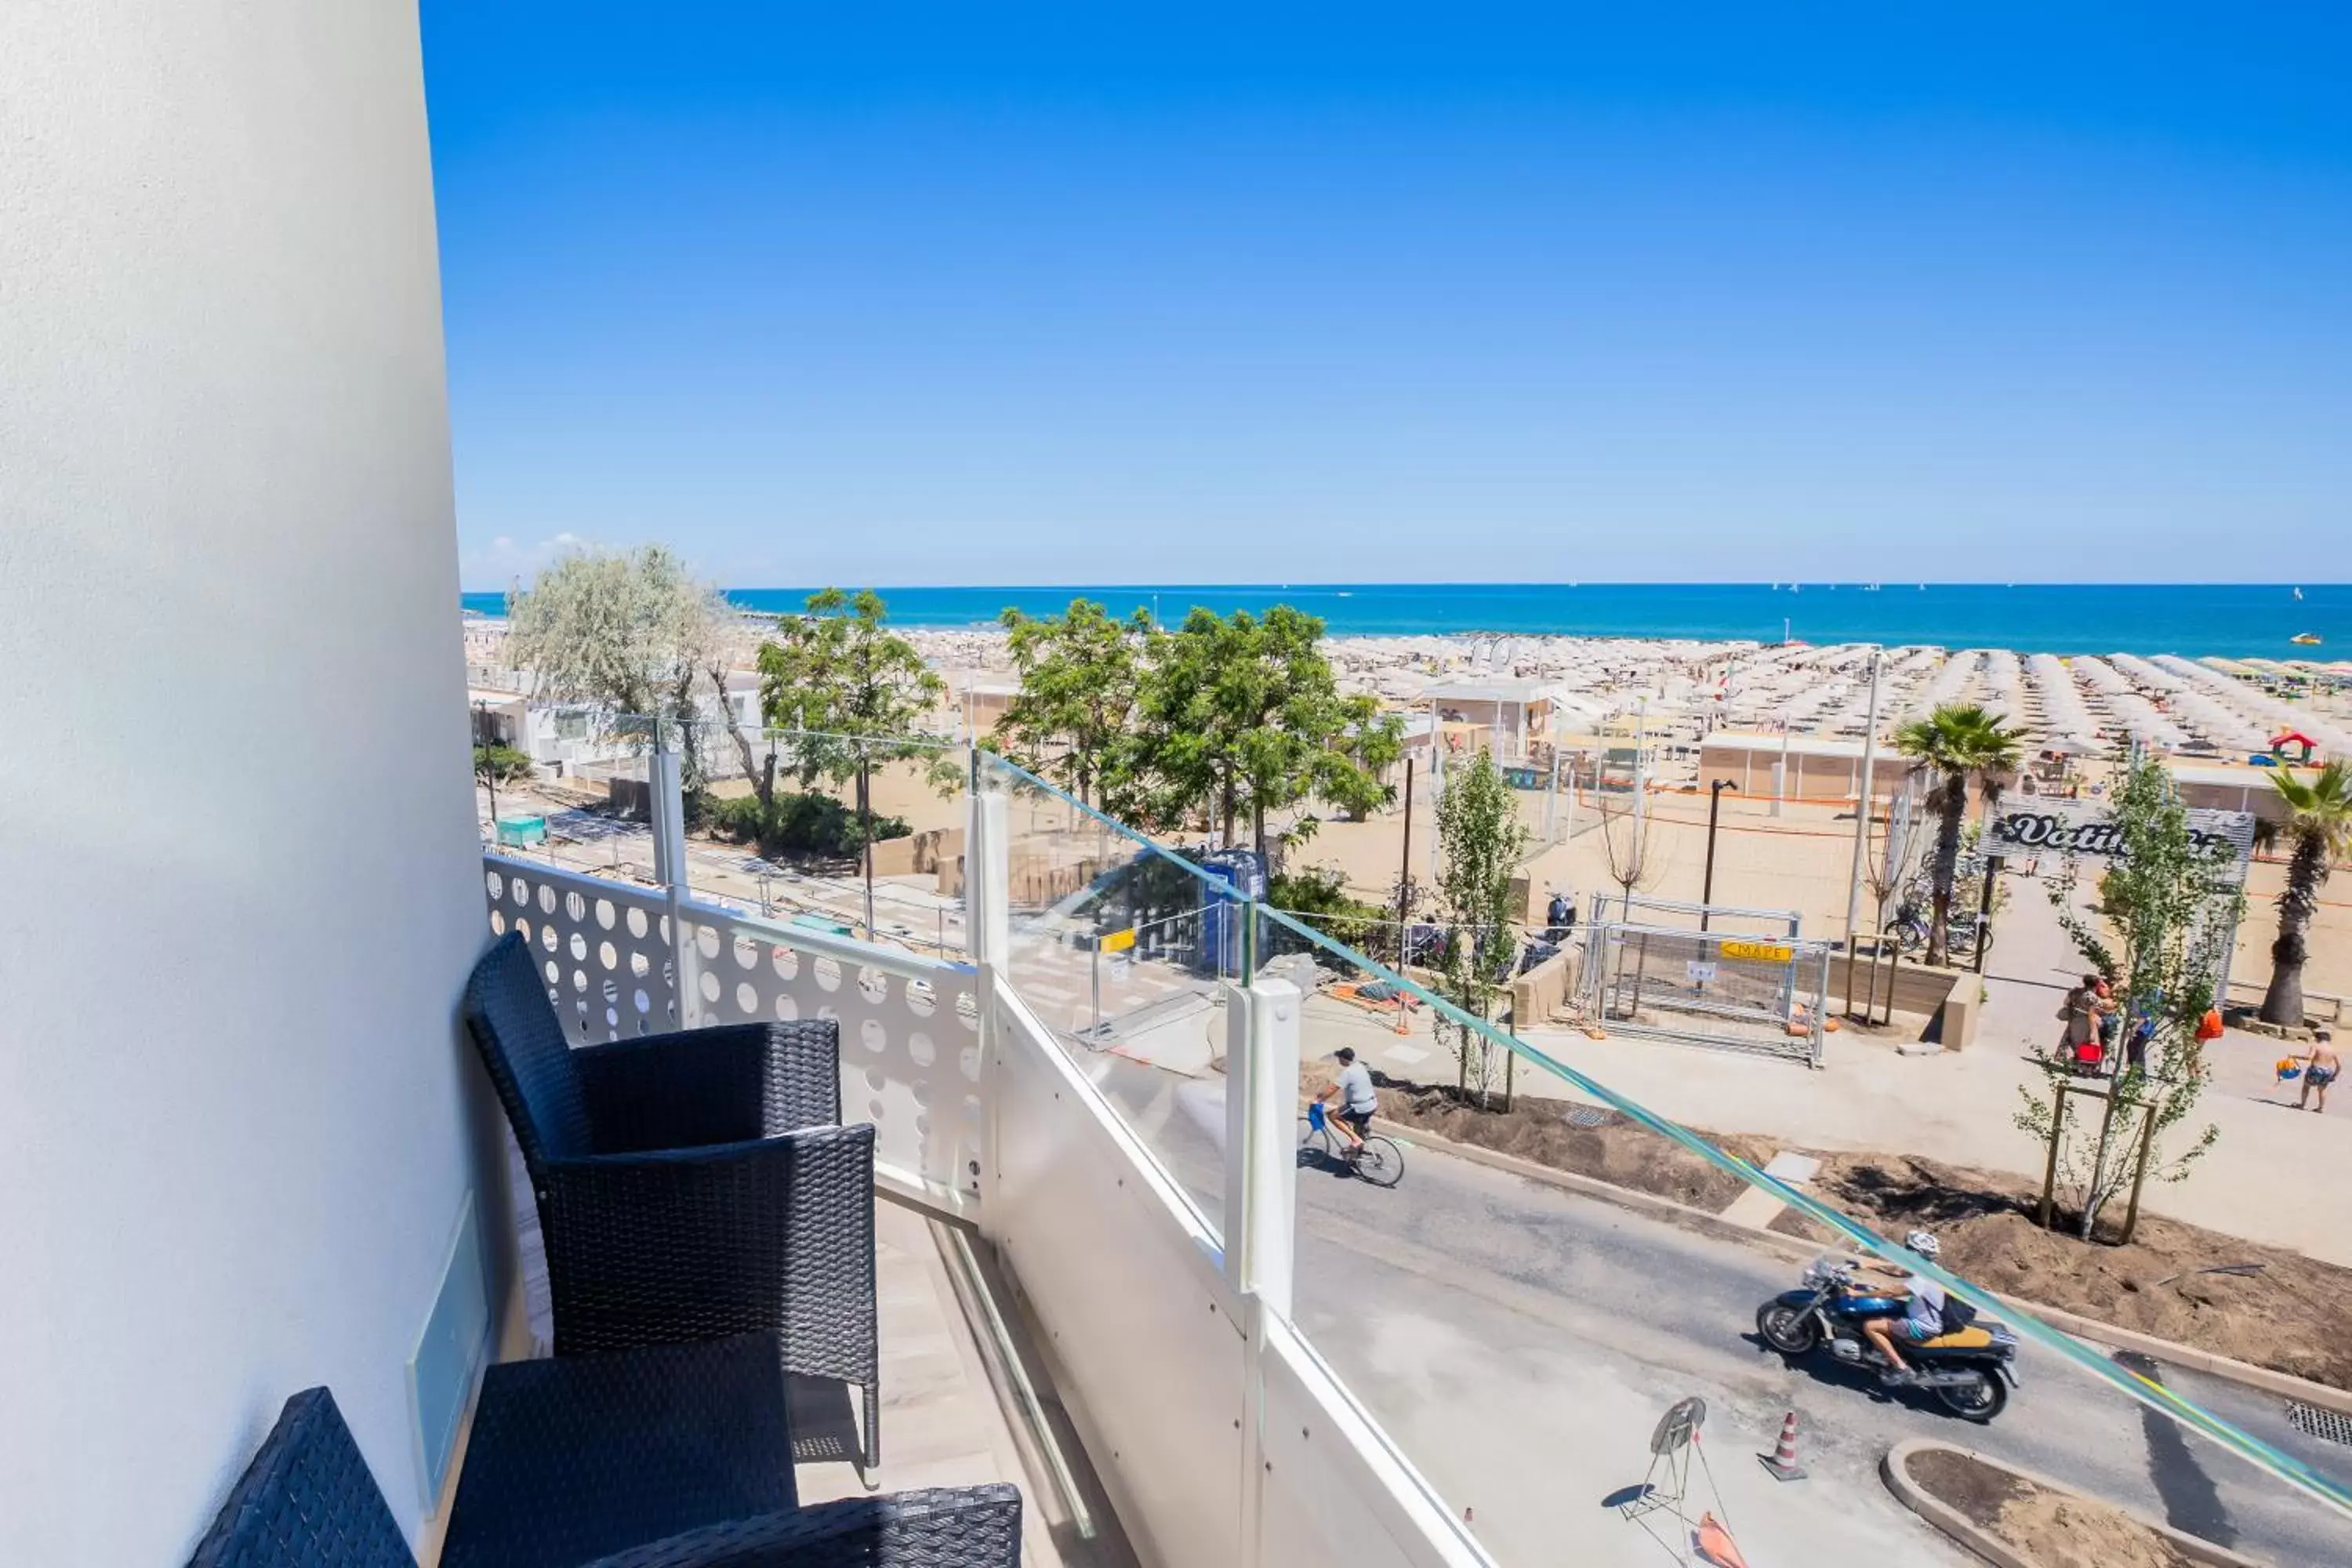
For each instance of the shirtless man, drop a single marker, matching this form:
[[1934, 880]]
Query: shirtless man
[[2320, 1065]]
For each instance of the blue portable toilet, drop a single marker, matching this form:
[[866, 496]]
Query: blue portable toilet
[[1231, 875]]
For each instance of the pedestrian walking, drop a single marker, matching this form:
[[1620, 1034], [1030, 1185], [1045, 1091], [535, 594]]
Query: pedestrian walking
[[2320, 1065]]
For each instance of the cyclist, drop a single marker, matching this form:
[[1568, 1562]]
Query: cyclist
[[1357, 1101]]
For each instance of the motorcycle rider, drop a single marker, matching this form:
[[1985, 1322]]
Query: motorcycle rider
[[1923, 1319]]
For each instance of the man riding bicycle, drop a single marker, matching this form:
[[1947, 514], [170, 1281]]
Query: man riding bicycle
[[1357, 1101]]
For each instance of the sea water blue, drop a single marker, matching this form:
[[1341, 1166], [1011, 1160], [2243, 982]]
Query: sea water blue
[[2235, 619]]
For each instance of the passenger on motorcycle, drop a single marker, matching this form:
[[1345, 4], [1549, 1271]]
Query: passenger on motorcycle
[[1923, 1320]]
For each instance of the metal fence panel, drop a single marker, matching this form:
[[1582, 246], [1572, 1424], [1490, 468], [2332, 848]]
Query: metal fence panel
[[1730, 920], [1766, 993]]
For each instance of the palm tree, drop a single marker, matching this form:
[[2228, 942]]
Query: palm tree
[[2318, 826], [1955, 742]]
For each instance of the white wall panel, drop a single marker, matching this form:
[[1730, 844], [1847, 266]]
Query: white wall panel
[[239, 888], [1127, 1288]]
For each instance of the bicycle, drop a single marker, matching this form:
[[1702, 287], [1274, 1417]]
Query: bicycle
[[1378, 1161]]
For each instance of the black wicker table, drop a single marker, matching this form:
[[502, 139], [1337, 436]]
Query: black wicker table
[[577, 1458]]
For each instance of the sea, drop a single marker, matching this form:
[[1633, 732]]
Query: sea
[[2195, 619]]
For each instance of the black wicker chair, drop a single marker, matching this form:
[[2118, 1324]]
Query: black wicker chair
[[965, 1527], [690, 1186], [306, 1501], [309, 1501], [572, 1458]]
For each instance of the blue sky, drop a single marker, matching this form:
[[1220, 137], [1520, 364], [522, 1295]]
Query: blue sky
[[1018, 294]]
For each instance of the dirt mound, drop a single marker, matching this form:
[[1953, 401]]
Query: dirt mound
[[2047, 1526], [1979, 1491], [2058, 1531], [2050, 1528], [1586, 1141], [2278, 1309]]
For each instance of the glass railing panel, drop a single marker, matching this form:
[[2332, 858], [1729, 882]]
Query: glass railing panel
[[1123, 949], [1556, 1266], [860, 835], [778, 823]]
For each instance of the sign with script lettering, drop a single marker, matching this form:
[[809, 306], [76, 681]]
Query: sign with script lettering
[[2032, 824]]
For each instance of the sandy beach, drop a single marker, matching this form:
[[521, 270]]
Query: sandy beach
[[1595, 702]]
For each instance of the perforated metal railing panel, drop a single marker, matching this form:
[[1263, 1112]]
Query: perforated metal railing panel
[[910, 1056]]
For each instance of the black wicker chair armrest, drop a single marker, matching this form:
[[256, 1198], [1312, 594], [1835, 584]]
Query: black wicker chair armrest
[[772, 1234], [970, 1527]]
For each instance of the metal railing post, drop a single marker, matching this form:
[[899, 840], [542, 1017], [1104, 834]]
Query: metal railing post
[[1822, 1010], [987, 879], [1261, 1024], [988, 939], [667, 800], [1262, 1138]]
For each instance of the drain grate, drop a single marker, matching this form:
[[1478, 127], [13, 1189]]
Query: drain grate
[[2331, 1425], [1588, 1116]]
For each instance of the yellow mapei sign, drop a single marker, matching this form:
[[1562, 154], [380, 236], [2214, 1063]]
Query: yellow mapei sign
[[1762, 951], [1119, 941]]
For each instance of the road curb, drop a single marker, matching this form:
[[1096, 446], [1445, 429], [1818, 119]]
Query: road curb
[[2283, 1385], [1992, 1549]]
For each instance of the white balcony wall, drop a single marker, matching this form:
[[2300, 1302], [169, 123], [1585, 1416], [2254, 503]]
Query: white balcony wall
[[241, 874]]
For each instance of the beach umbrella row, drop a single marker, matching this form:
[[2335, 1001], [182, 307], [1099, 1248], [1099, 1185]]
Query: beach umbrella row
[[2267, 715], [2004, 690], [2064, 719]]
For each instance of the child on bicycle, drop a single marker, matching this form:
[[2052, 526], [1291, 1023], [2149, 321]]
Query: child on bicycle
[[1357, 1101]]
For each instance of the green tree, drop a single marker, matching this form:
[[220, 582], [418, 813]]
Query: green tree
[[1318, 897], [2167, 910], [499, 763], [1480, 841], [627, 631], [1239, 717], [859, 693], [858, 690], [2319, 832], [1079, 671], [1956, 743]]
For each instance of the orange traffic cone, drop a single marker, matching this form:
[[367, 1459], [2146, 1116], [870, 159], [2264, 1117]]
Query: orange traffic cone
[[1783, 1462]]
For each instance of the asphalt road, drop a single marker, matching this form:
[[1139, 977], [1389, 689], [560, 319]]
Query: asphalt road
[[1519, 1342]]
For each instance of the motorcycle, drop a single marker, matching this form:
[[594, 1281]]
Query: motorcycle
[[1971, 1373]]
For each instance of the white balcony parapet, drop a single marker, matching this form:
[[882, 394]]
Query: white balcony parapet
[[1174, 1351], [1219, 1436], [910, 1057]]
